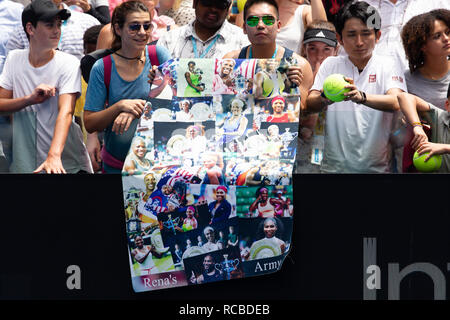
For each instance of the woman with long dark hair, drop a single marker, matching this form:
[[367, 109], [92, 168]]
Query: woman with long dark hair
[[117, 107]]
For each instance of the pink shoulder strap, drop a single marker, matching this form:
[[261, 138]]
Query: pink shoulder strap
[[107, 65]]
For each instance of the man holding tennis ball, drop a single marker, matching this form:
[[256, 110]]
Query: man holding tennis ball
[[413, 106], [362, 96]]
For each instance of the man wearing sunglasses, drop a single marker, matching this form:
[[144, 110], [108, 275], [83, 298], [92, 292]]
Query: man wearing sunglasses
[[210, 35], [262, 25]]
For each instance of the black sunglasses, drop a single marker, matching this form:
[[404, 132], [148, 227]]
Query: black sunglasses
[[135, 27], [219, 4]]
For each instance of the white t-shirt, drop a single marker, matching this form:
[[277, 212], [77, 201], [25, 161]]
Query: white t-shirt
[[291, 35], [33, 126], [357, 136]]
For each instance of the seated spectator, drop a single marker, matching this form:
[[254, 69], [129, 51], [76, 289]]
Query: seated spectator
[[261, 26], [210, 35], [413, 106], [358, 128], [181, 11], [39, 86], [395, 14], [295, 17], [72, 32], [96, 8], [160, 24], [128, 88]]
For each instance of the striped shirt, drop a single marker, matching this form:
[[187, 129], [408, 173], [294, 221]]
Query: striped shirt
[[179, 41], [72, 33]]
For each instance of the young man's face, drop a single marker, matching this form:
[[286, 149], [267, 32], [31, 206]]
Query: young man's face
[[46, 33], [358, 39], [209, 14], [262, 34], [317, 51]]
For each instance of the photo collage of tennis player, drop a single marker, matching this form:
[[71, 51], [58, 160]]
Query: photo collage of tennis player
[[214, 147]]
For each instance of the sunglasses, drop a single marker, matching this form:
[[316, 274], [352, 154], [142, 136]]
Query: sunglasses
[[219, 4], [135, 27], [268, 20]]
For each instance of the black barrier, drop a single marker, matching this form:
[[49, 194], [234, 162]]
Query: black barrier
[[62, 238]]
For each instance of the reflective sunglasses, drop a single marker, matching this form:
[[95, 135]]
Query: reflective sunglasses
[[135, 27], [220, 4], [268, 20]]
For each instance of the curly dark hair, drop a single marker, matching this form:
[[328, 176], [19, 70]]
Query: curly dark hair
[[416, 33]]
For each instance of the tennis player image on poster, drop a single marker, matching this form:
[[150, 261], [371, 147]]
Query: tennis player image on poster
[[225, 264], [183, 140], [281, 140], [255, 172], [264, 237], [234, 123], [271, 80], [264, 202], [278, 109], [233, 76], [193, 109], [194, 77], [164, 84], [207, 180]]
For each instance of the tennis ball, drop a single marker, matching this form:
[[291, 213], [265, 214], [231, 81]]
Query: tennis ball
[[433, 164], [333, 87], [241, 4]]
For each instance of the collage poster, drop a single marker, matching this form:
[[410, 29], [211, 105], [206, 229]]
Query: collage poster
[[208, 178]]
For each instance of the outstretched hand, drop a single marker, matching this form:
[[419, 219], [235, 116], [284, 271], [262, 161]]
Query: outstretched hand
[[51, 165], [432, 148]]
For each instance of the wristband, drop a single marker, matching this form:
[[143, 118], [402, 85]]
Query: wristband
[[364, 97], [416, 124]]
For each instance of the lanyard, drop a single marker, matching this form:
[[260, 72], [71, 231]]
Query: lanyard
[[60, 37], [194, 45], [250, 54]]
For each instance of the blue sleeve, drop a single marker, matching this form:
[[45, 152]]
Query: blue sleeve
[[96, 90], [163, 54]]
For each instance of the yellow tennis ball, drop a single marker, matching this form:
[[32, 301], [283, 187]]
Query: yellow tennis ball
[[433, 164], [333, 87], [241, 4]]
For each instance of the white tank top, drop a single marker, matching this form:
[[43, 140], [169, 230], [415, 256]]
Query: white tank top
[[291, 35]]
